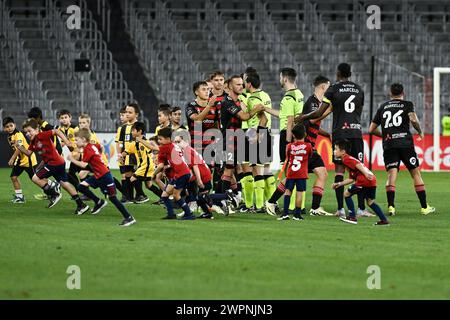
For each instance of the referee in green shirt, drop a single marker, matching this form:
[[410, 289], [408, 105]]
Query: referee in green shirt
[[291, 105]]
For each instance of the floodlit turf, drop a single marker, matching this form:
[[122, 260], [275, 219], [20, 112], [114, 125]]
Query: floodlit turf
[[243, 256]]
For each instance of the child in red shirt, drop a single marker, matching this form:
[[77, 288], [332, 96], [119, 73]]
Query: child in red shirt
[[54, 165], [170, 154], [297, 155], [362, 180], [103, 179], [201, 175]]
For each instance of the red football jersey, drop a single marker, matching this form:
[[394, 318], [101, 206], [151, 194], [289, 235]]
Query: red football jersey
[[92, 154], [298, 153], [355, 174], [192, 158], [173, 155], [43, 145]]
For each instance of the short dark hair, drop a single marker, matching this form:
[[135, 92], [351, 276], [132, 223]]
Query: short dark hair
[[154, 138], [135, 106], [299, 131], [250, 70], [197, 85], [64, 112], [32, 122], [254, 80], [397, 89], [139, 126], [7, 120], [289, 73], [175, 109], [320, 80], [343, 145], [165, 132], [344, 70], [35, 113], [123, 109], [215, 74], [235, 76], [165, 109]]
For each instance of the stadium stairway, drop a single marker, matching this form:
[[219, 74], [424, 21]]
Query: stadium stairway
[[127, 61], [189, 18], [9, 98], [45, 63]]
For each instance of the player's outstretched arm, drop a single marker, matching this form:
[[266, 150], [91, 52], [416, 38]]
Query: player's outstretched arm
[[148, 144], [76, 162], [275, 113], [373, 129], [22, 149], [63, 138], [415, 123], [248, 115], [318, 113], [324, 133], [366, 172], [13, 157], [158, 169], [342, 183]]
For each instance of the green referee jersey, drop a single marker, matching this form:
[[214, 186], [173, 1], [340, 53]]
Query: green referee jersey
[[255, 98], [243, 98], [291, 105]]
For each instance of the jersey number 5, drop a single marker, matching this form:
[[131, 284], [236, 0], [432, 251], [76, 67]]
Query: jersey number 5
[[349, 106], [297, 163]]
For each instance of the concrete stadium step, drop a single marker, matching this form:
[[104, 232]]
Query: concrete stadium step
[[191, 35], [58, 95], [34, 44]]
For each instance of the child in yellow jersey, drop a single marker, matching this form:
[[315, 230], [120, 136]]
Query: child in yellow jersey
[[145, 166], [164, 114], [19, 162], [68, 129], [127, 163]]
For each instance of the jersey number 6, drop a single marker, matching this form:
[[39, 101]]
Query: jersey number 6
[[349, 106]]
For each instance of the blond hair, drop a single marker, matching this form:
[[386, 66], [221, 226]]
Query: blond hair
[[84, 133], [85, 116]]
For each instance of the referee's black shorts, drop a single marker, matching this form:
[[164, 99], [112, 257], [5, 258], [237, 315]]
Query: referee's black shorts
[[283, 144]]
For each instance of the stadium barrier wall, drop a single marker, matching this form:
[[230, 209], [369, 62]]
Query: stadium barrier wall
[[424, 149]]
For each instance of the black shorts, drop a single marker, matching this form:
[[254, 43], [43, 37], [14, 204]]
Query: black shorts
[[300, 184], [125, 169], [207, 187], [17, 171], [264, 147], [75, 169], [283, 144], [408, 156], [356, 150], [105, 183], [57, 172], [315, 161], [231, 157], [368, 192]]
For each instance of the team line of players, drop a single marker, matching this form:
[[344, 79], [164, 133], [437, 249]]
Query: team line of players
[[171, 168]]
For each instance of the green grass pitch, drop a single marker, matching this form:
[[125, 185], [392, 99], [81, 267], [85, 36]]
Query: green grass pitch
[[243, 256]]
